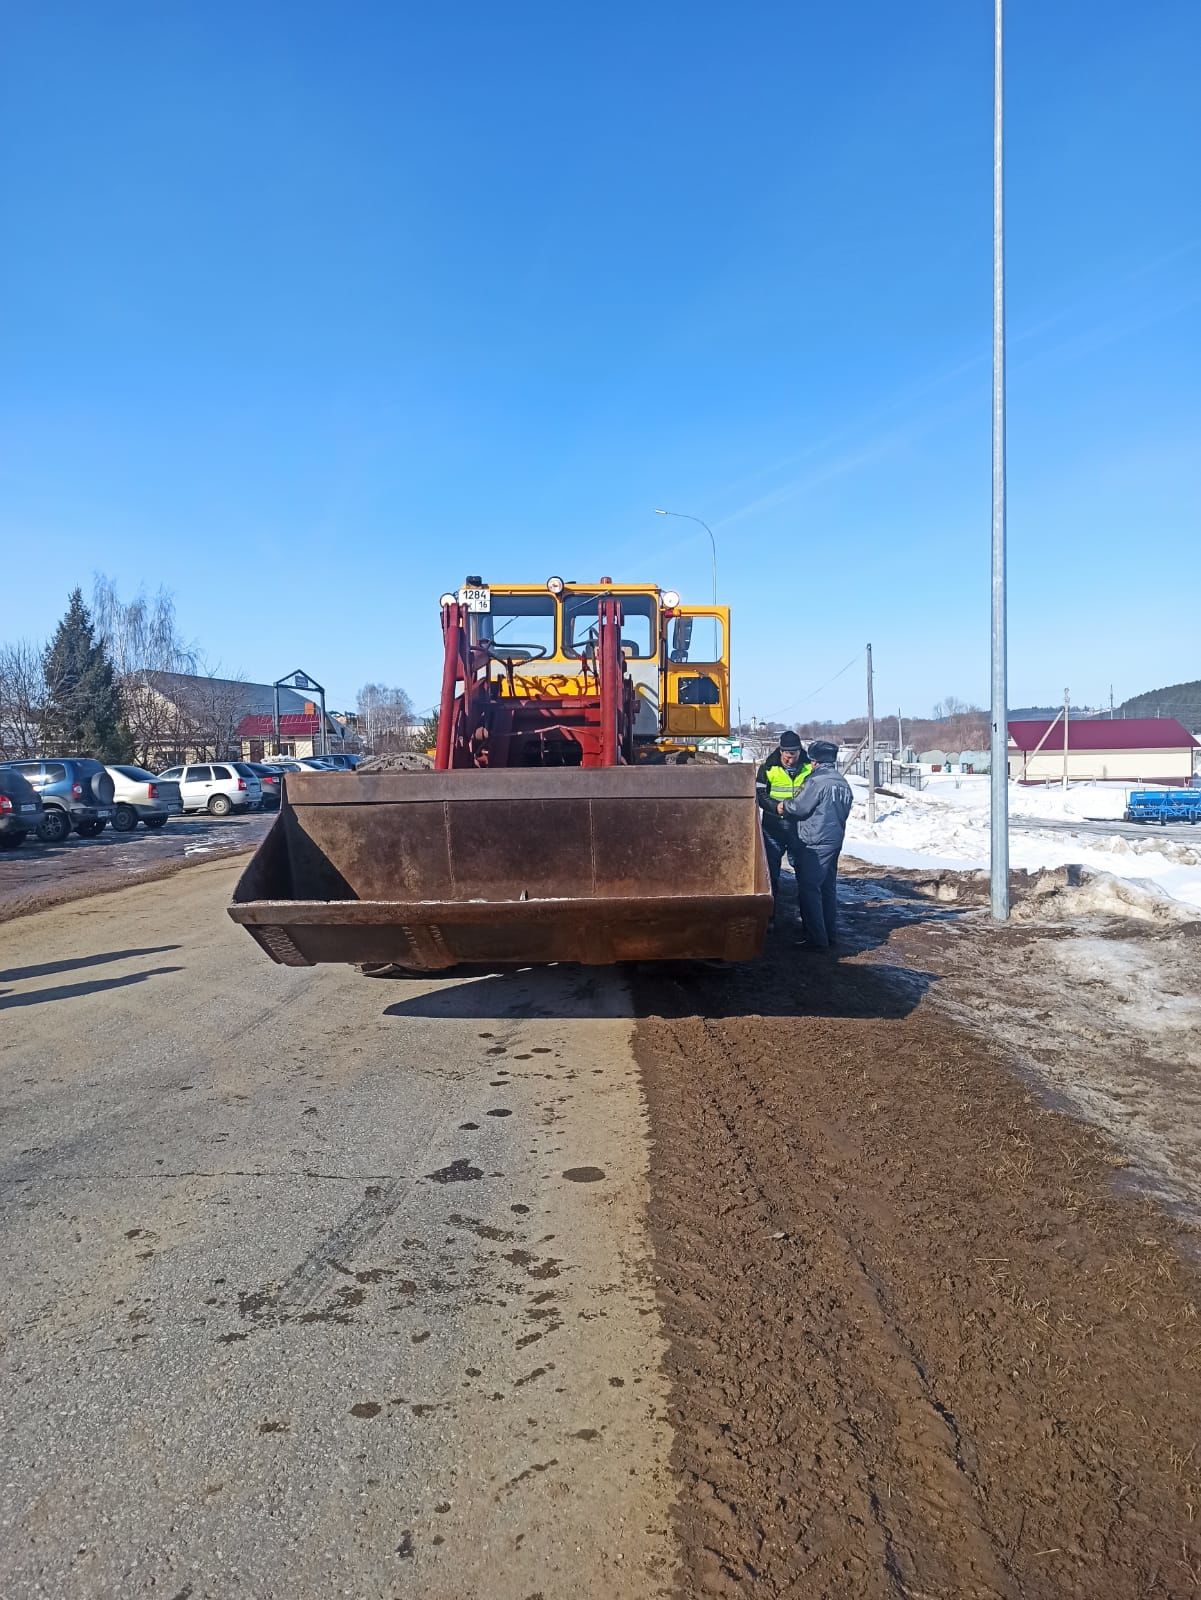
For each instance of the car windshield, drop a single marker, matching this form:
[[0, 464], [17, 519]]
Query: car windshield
[[138, 774], [580, 614], [246, 770]]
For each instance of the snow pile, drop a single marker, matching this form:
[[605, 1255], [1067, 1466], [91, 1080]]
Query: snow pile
[[1073, 892], [1102, 801], [946, 825], [401, 761]]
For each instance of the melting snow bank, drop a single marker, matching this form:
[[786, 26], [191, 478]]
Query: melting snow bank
[[931, 829], [1071, 892]]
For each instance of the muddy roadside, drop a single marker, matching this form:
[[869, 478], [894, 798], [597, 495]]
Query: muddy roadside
[[921, 1343], [38, 876]]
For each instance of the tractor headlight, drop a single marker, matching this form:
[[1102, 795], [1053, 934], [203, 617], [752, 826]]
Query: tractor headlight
[[555, 585], [670, 599], [447, 599]]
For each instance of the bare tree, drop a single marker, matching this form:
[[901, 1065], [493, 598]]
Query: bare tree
[[212, 709], [386, 718], [22, 699], [142, 634]]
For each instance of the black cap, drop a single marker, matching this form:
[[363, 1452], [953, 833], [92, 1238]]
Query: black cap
[[823, 752], [790, 740]]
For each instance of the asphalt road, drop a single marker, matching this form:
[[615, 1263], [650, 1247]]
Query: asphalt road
[[1125, 830], [316, 1285]]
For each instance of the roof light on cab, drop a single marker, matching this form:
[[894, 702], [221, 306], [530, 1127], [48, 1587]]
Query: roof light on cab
[[555, 585], [447, 599], [671, 599]]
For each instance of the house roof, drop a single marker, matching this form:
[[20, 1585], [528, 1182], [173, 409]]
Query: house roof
[[292, 725], [254, 700], [1105, 733]]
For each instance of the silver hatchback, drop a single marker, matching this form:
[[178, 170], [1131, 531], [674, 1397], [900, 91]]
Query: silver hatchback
[[216, 786]]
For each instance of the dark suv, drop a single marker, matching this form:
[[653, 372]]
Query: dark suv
[[77, 793], [20, 809]]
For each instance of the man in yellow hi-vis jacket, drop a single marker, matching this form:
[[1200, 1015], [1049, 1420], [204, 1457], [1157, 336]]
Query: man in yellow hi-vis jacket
[[779, 779]]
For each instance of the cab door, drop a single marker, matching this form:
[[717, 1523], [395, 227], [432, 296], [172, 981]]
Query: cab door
[[696, 672]]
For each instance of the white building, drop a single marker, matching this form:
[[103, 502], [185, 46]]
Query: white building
[[1126, 749]]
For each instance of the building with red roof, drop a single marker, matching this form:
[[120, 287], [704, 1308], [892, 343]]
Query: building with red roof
[[1126, 749]]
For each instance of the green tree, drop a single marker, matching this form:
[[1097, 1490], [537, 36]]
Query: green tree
[[82, 714], [426, 737]]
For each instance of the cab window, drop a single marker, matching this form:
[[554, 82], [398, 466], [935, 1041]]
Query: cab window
[[695, 639], [519, 627], [580, 620]]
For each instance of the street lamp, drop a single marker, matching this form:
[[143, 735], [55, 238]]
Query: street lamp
[[688, 517], [999, 754]]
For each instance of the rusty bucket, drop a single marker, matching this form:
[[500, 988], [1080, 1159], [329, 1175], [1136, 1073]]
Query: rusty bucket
[[521, 866]]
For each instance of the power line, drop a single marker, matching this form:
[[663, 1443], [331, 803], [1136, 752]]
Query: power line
[[813, 693]]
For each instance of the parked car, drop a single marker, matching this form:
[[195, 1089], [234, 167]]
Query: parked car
[[344, 761], [138, 796], [302, 764], [215, 786], [271, 777], [20, 808], [76, 793]]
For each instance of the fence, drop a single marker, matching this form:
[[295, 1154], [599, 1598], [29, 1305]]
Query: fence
[[890, 774]]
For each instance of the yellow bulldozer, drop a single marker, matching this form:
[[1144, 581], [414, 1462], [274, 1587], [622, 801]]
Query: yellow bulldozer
[[566, 818]]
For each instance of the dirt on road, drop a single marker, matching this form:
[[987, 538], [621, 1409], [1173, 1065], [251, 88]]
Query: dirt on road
[[38, 876], [827, 1279], [919, 1344]]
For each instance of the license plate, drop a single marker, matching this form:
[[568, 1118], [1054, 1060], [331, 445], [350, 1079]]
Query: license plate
[[473, 598], [29, 808], [100, 814]]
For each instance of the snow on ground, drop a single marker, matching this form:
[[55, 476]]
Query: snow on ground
[[1082, 801], [946, 825]]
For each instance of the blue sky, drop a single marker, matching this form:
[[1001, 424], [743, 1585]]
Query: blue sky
[[307, 310]]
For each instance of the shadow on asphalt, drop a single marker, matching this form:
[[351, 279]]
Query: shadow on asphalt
[[47, 968], [68, 991], [786, 981]]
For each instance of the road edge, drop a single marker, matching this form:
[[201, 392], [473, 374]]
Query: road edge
[[112, 883]]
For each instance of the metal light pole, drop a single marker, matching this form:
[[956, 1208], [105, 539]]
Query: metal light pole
[[659, 512], [871, 742], [999, 756], [687, 516]]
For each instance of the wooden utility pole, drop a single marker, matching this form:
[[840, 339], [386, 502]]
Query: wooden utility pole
[[1067, 717], [871, 743]]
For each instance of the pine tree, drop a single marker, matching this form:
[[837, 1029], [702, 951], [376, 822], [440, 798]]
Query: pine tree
[[82, 714]]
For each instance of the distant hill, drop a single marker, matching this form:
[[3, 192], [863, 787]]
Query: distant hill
[[1045, 713], [1180, 700]]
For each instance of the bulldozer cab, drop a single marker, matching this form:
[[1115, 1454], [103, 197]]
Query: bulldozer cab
[[541, 643], [696, 672]]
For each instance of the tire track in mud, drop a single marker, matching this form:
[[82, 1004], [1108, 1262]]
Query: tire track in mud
[[918, 1347]]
